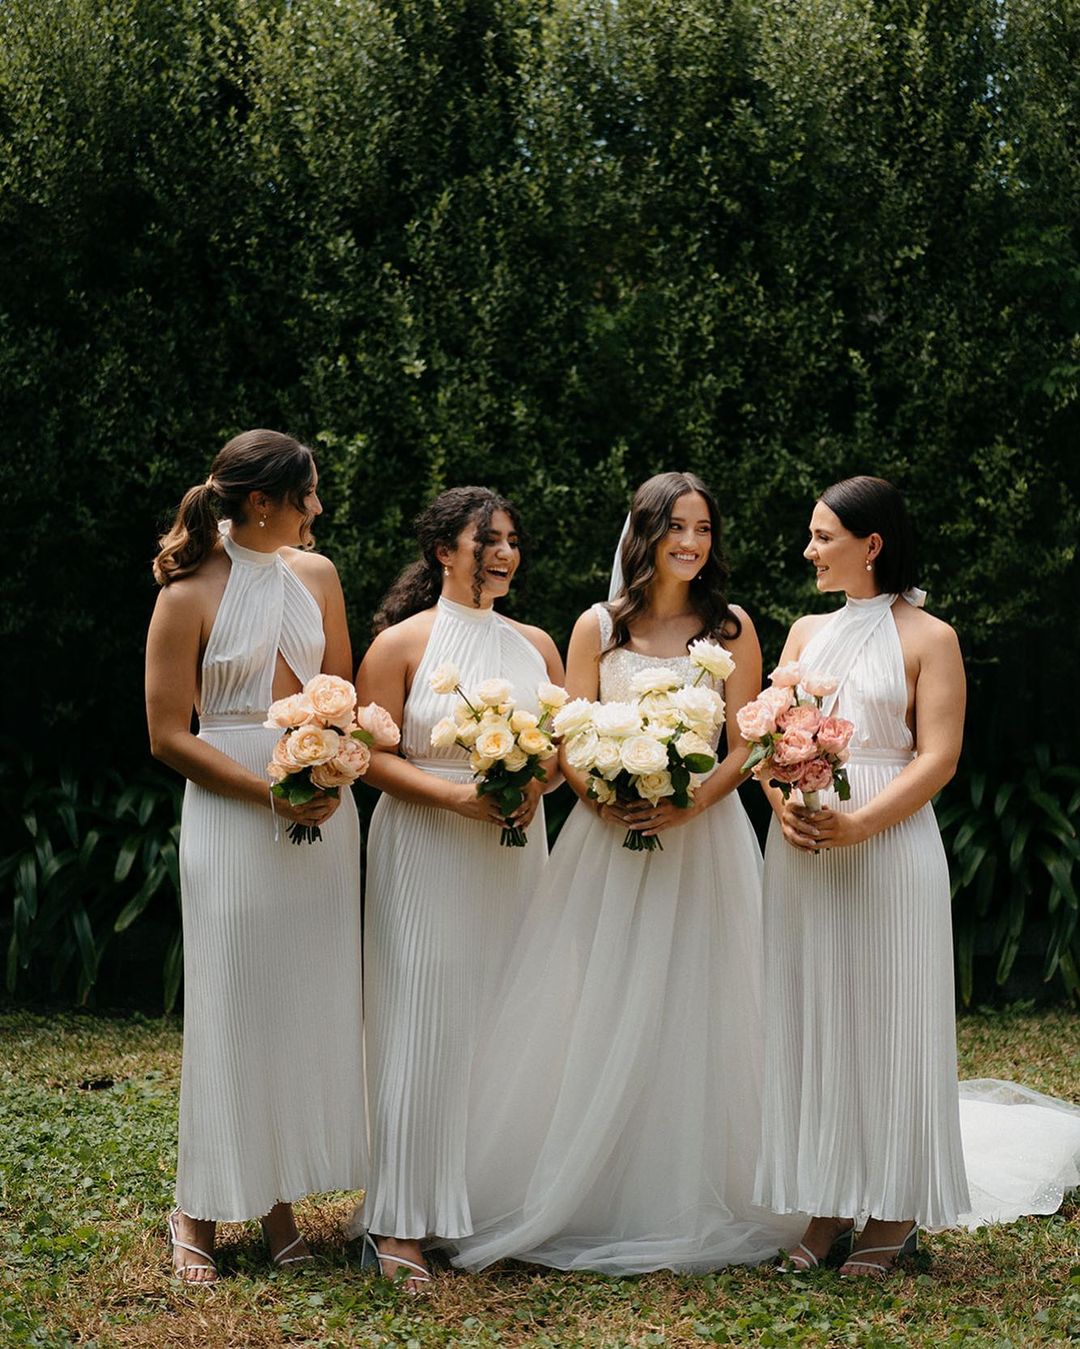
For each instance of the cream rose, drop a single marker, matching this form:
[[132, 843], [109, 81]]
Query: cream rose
[[379, 724], [467, 734], [692, 743], [606, 758], [522, 720], [495, 741], [296, 710], [491, 692], [514, 760], [617, 719], [699, 707], [349, 763], [463, 714], [581, 750], [444, 678], [332, 698], [534, 741], [602, 791], [551, 695], [712, 658], [654, 681], [643, 754], [479, 764], [652, 786], [444, 734], [311, 745], [571, 718]]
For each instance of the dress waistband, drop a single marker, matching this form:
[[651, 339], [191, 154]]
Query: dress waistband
[[879, 754], [444, 768], [231, 721]]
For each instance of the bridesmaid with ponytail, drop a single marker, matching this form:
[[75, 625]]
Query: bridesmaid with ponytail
[[443, 898], [271, 1096]]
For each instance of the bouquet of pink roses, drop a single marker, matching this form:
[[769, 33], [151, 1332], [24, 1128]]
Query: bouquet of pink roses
[[791, 739], [327, 743], [506, 744]]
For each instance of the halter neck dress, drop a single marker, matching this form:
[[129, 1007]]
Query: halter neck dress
[[444, 902], [272, 1091]]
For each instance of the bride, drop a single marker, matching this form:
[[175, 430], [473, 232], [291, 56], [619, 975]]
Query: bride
[[614, 1112]]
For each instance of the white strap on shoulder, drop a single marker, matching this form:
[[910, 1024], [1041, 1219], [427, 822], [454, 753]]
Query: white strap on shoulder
[[603, 617]]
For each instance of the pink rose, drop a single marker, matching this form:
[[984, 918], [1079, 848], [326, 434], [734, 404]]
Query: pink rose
[[332, 698], [781, 772], [779, 698], [349, 763], [786, 676], [833, 735], [295, 710], [379, 724], [794, 747], [803, 718], [756, 719], [819, 685], [816, 776]]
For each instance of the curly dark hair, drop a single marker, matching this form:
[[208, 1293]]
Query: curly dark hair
[[650, 518], [441, 524]]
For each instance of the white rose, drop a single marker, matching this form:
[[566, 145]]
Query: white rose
[[479, 764], [692, 743], [606, 758], [516, 759], [580, 750], [522, 720], [571, 718], [699, 706], [643, 754], [495, 741], [444, 734], [654, 681], [551, 695], [652, 786], [617, 719], [656, 704], [602, 791], [712, 658], [445, 678], [535, 741], [492, 692], [467, 734]]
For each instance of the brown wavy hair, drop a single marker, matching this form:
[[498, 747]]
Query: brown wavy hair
[[441, 524], [650, 519], [254, 461]]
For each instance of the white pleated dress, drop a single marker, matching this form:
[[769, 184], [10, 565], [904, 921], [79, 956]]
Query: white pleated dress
[[863, 1115], [444, 903], [272, 1091], [616, 1098]]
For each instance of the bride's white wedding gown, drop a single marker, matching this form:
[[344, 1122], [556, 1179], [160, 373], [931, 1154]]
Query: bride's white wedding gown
[[615, 1101]]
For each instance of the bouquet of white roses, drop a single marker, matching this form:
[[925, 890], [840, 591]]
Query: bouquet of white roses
[[506, 744], [656, 745], [326, 746]]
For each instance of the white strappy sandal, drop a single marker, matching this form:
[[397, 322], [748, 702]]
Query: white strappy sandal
[[419, 1273], [877, 1269], [183, 1272], [283, 1257], [802, 1259]]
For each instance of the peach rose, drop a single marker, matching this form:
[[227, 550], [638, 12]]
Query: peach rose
[[804, 717], [380, 725], [495, 741], [786, 676], [779, 697], [816, 776], [296, 710], [281, 762], [349, 763], [311, 745], [794, 746], [819, 685], [492, 692], [534, 741], [479, 764], [332, 698], [833, 735], [522, 720], [515, 760], [756, 719]]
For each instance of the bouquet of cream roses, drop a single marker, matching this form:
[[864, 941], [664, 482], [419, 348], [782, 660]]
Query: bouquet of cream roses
[[506, 745], [796, 745], [654, 746], [327, 743]]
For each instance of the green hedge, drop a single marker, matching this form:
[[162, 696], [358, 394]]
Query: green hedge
[[549, 246]]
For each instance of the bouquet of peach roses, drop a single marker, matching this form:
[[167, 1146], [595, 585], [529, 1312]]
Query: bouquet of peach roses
[[326, 746], [653, 747], [506, 745], [791, 740]]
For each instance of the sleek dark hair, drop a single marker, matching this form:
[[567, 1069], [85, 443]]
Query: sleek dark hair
[[650, 518], [868, 506], [254, 461], [452, 511]]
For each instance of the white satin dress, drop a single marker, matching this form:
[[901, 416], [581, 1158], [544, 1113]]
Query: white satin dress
[[616, 1093], [272, 1083], [863, 1115], [444, 903]]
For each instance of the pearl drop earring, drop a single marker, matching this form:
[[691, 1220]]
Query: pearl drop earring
[[446, 571], [869, 565], [262, 522]]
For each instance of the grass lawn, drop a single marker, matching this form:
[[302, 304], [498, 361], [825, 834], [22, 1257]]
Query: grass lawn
[[87, 1137]]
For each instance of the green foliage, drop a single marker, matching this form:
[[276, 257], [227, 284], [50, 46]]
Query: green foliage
[[85, 862], [1015, 861]]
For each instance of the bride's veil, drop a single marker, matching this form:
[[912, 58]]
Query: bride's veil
[[616, 584]]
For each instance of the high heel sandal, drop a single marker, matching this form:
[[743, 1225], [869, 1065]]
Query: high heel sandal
[[802, 1259], [283, 1257], [877, 1269], [418, 1272], [184, 1272]]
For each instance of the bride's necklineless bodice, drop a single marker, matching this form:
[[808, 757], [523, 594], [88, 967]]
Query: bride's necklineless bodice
[[619, 666]]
